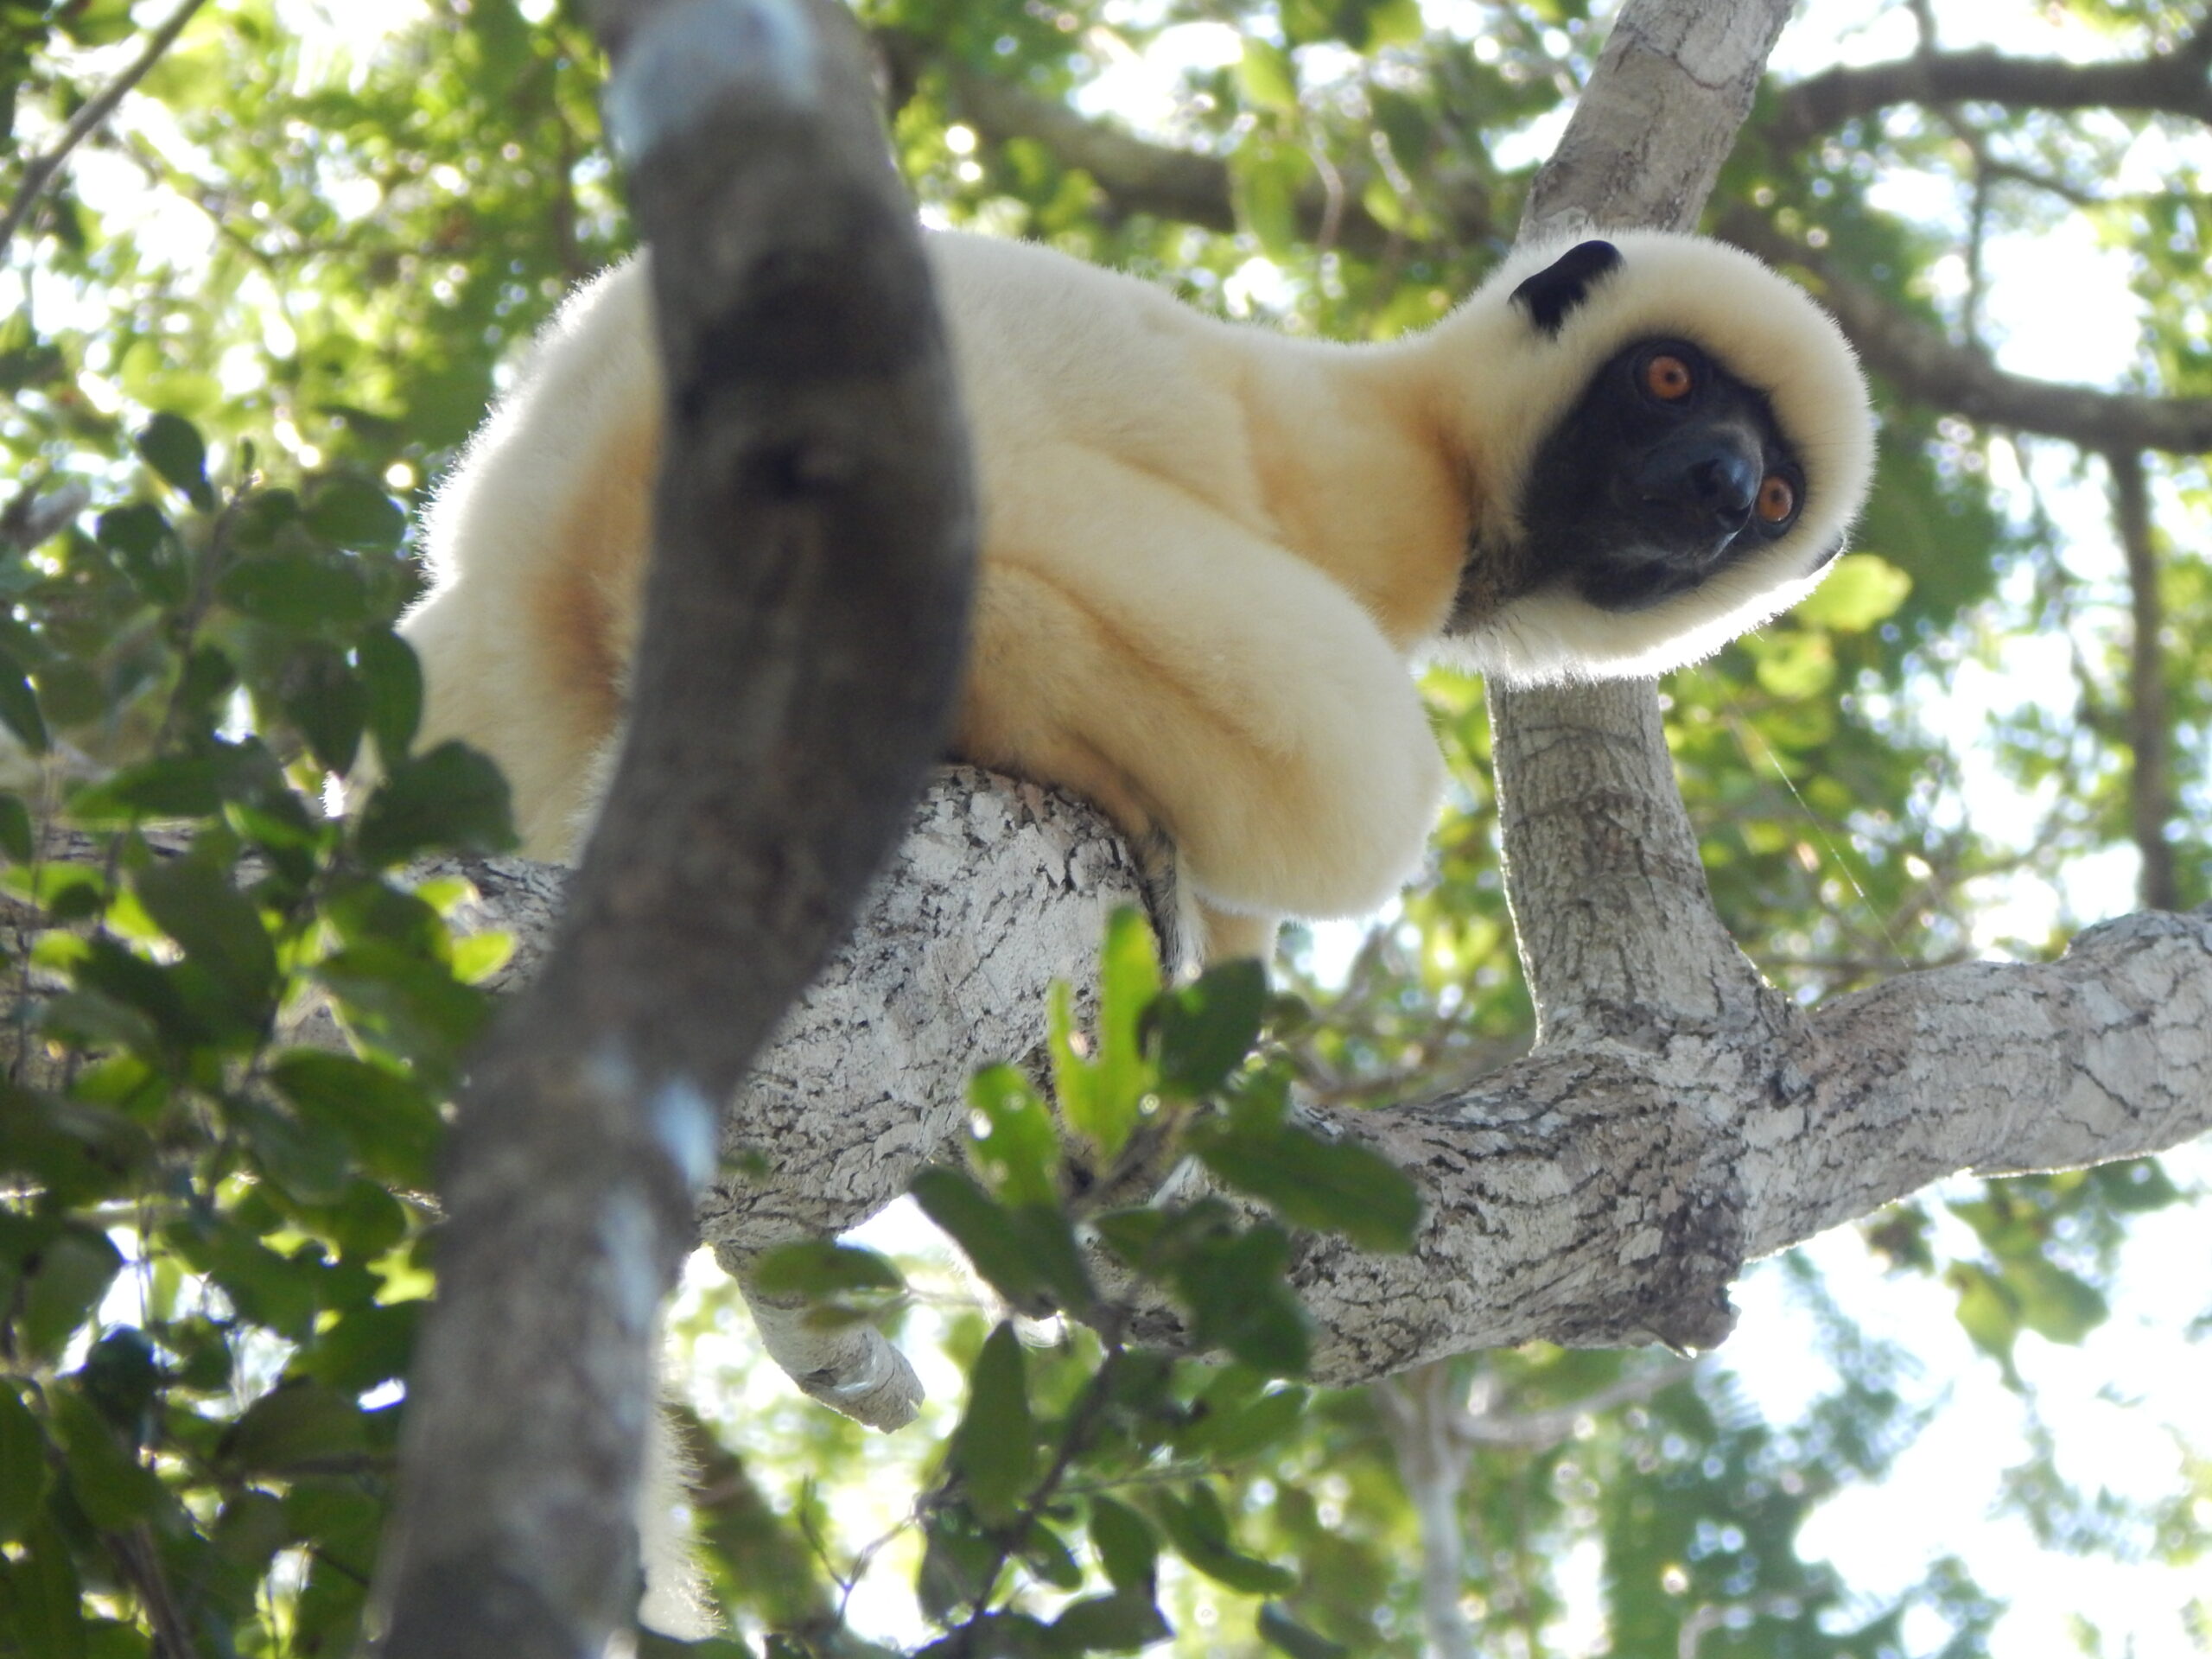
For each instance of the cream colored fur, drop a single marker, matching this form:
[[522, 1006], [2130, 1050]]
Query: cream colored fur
[[1209, 551]]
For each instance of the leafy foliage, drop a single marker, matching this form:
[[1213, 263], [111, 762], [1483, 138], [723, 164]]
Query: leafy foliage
[[249, 323]]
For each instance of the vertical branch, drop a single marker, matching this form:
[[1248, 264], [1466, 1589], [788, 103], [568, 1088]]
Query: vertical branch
[[2150, 732], [803, 626], [1418, 1410], [1591, 817]]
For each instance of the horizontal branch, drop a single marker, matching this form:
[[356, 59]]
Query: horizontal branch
[[1139, 176], [2173, 82], [1920, 361], [1602, 1194]]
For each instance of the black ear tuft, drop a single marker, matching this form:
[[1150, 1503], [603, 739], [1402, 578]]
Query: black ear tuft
[[1556, 289]]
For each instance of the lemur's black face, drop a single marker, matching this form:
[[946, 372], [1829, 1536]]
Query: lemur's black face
[[1668, 471]]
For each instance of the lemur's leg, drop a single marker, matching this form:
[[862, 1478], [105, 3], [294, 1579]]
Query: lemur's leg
[[1193, 678]]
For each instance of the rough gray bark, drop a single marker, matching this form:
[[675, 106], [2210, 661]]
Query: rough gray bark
[[1606, 1189], [803, 623]]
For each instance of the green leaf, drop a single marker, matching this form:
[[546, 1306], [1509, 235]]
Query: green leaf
[[1392, 23], [1128, 981], [143, 538], [1238, 1301], [1199, 1531], [172, 446], [993, 1450], [122, 1377], [1986, 1310], [393, 678], [957, 1558], [326, 701], [19, 705], [77, 1151], [414, 1009], [180, 788], [450, 798], [294, 1428], [1332, 1186], [1267, 77], [17, 841], [1229, 1437], [1264, 178], [284, 1293], [111, 1485], [24, 1475], [367, 1346], [1074, 1079], [250, 1531], [988, 1233], [1285, 1635], [2053, 1303], [819, 1268], [307, 1160], [300, 595], [2138, 1184], [1018, 1151], [1859, 590], [1048, 1558], [1115, 1624], [387, 1118], [1127, 1548], [355, 513], [69, 1269], [219, 929], [1207, 1027], [42, 1593]]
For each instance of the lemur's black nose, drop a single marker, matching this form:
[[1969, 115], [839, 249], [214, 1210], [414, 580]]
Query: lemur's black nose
[[1727, 482], [1713, 475]]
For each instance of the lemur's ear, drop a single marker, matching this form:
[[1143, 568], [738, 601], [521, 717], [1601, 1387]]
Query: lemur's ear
[[1556, 289]]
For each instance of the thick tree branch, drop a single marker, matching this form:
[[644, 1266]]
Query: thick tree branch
[[2172, 84], [1919, 361], [801, 638], [1597, 1194], [1138, 176], [1590, 1194]]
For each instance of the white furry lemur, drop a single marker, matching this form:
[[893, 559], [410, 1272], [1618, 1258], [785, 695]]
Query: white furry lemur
[[1210, 552]]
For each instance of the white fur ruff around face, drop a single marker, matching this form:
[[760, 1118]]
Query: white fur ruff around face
[[1770, 333]]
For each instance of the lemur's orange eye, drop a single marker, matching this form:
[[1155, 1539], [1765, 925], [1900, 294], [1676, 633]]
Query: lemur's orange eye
[[1777, 499], [1667, 378]]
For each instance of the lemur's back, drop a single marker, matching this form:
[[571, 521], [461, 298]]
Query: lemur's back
[[1141, 636]]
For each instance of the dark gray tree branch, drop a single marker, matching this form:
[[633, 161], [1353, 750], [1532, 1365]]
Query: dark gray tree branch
[[41, 170], [2172, 83], [1918, 360], [1138, 176], [803, 626]]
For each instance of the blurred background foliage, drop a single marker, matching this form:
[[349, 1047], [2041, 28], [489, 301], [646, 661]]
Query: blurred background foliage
[[244, 326]]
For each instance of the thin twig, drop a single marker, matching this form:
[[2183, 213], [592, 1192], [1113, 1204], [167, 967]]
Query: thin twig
[[41, 171]]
